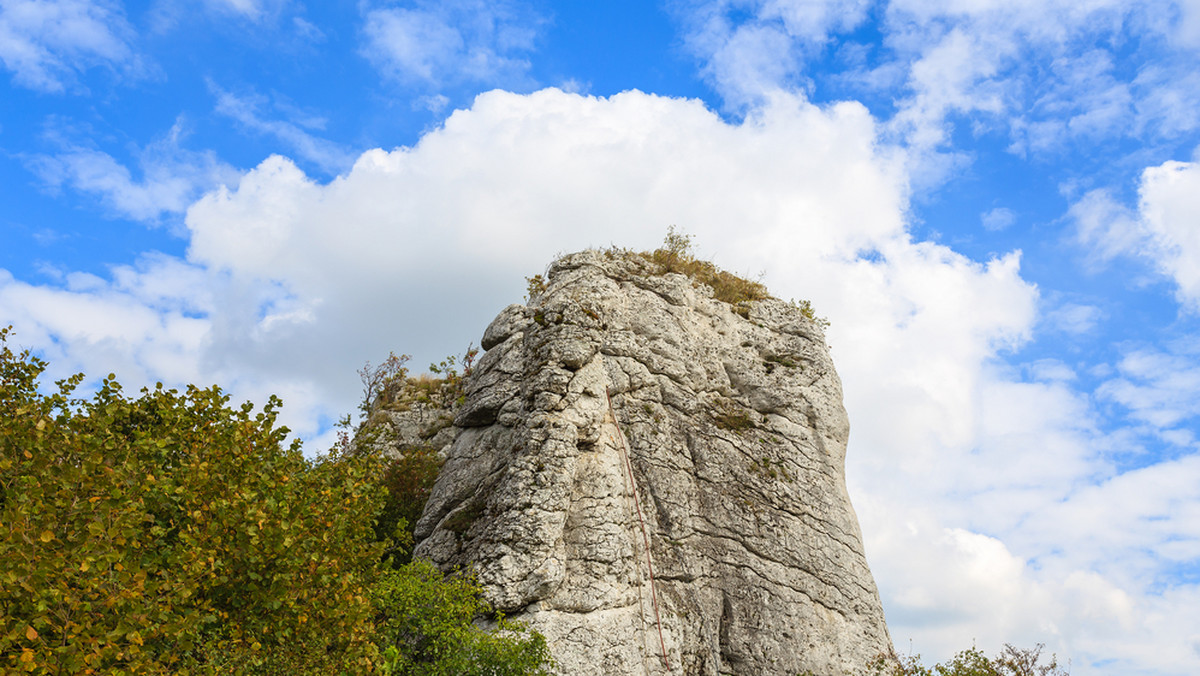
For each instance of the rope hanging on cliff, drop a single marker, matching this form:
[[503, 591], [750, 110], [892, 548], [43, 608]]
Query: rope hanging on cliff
[[642, 522]]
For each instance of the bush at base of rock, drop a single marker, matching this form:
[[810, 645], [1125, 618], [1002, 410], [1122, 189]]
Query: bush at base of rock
[[426, 629], [1011, 661]]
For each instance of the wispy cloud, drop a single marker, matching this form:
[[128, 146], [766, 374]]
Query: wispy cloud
[[1072, 318], [255, 10], [166, 15], [1159, 388], [749, 49], [433, 44], [1046, 74], [48, 44], [170, 176], [294, 128], [999, 218]]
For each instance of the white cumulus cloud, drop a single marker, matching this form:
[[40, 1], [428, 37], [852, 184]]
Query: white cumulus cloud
[[1162, 230], [1169, 205]]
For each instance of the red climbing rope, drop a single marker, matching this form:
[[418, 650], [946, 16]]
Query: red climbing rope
[[642, 522]]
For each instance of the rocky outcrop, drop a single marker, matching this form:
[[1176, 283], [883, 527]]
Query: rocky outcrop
[[625, 421], [418, 424]]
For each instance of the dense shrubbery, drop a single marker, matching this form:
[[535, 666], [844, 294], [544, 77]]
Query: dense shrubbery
[[426, 622], [160, 532], [409, 471], [407, 480], [1010, 662], [169, 533]]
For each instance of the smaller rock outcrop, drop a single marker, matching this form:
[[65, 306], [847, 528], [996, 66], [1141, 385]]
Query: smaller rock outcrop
[[652, 478]]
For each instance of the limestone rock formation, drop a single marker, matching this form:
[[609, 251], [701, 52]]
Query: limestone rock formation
[[722, 450]]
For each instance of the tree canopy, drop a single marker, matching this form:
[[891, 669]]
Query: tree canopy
[[172, 533]]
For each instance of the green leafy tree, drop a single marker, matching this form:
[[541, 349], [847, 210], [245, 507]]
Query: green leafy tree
[[172, 533]]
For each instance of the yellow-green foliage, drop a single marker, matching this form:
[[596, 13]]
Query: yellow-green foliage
[[534, 287], [172, 533], [806, 309], [676, 256]]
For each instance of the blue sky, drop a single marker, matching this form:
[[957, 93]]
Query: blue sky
[[996, 204]]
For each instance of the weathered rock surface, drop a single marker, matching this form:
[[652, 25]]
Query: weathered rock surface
[[418, 424], [736, 436]]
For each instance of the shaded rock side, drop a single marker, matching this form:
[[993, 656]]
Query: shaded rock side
[[736, 436]]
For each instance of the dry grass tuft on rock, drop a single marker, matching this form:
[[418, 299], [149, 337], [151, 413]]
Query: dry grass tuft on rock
[[676, 256]]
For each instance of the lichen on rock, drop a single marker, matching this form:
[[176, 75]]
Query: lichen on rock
[[734, 439]]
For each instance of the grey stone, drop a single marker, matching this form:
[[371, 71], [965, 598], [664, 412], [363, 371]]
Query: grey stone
[[736, 436], [511, 320]]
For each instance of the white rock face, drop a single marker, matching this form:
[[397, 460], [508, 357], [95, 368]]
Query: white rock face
[[736, 436]]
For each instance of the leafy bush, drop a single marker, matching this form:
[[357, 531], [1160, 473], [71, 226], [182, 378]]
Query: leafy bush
[[426, 629], [1011, 661], [806, 309], [534, 287], [389, 386], [407, 479]]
